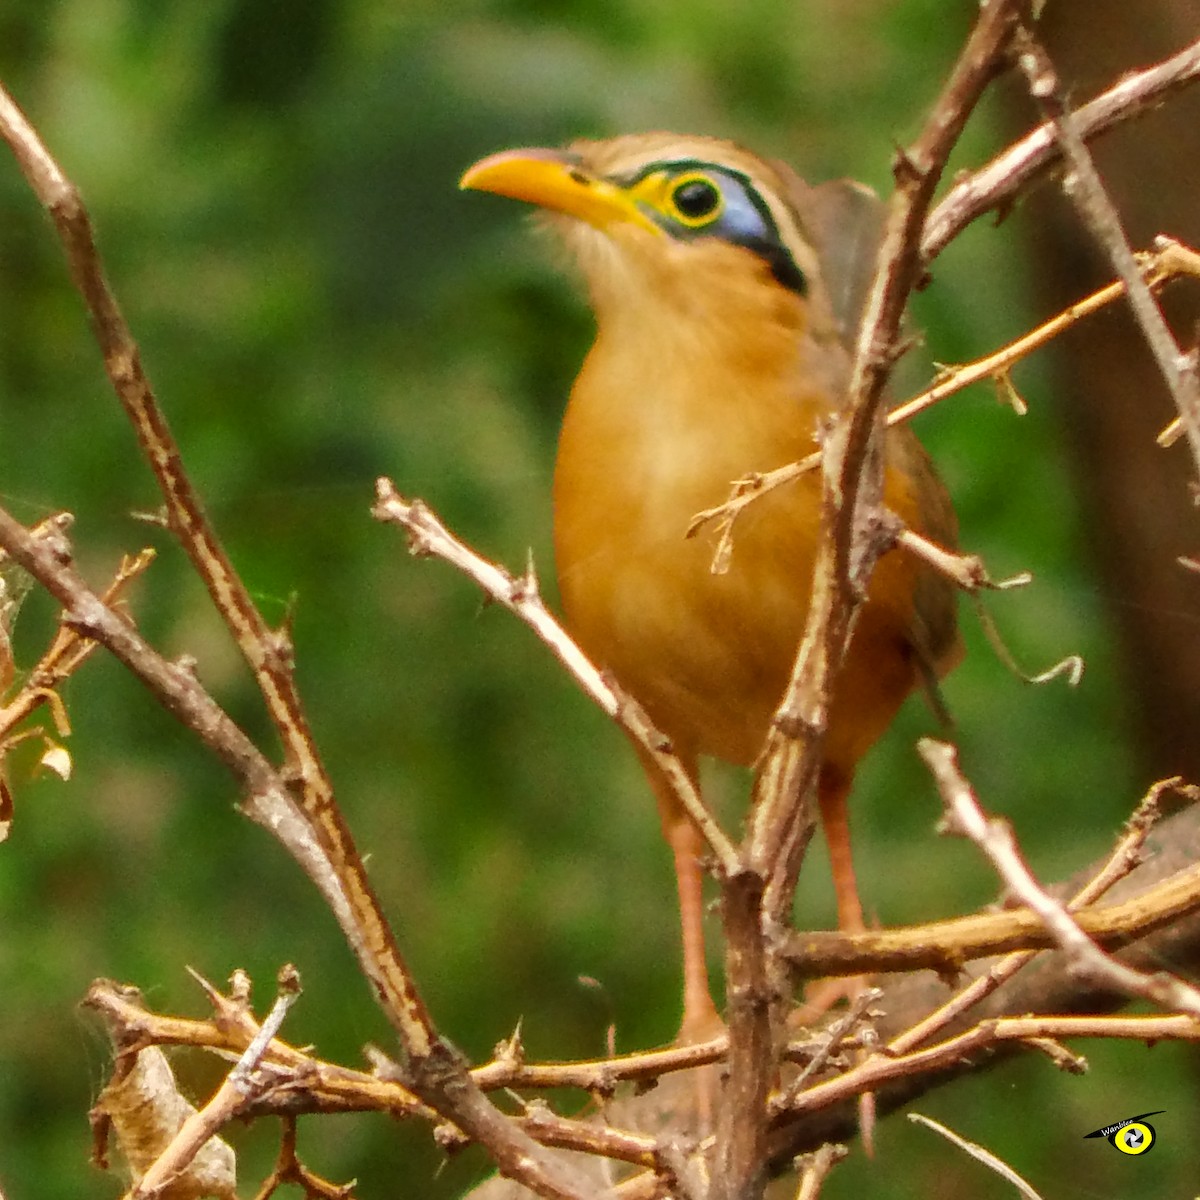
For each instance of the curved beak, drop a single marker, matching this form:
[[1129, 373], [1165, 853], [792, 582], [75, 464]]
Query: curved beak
[[553, 179]]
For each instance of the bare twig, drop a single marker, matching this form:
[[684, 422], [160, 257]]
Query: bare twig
[[330, 1088], [1168, 260], [1138, 1028], [836, 593], [427, 535], [238, 1088], [437, 1073], [995, 839], [834, 1036], [813, 1168], [979, 1153], [289, 1169], [945, 945], [1086, 190], [1182, 260], [966, 571], [288, 994], [878, 1070], [307, 822], [1122, 860], [600, 1076], [997, 366], [589, 1137], [265, 651], [268, 657], [1013, 171], [70, 648]]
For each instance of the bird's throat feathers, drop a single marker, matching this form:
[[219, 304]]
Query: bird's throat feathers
[[709, 291], [690, 333], [686, 408]]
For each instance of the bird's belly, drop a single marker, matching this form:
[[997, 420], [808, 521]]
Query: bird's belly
[[707, 655]]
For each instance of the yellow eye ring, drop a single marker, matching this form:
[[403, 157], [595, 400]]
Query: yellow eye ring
[[695, 200]]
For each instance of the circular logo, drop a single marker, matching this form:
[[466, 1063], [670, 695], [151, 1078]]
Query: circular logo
[[1135, 1138]]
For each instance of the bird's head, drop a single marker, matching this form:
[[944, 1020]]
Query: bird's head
[[698, 224]]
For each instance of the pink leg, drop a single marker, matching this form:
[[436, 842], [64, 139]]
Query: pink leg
[[700, 1018], [832, 795]]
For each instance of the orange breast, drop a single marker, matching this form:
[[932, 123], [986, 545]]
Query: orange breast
[[709, 655]]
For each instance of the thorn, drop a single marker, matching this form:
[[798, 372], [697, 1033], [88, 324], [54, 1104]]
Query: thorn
[[1008, 394], [158, 517], [511, 1051], [240, 987]]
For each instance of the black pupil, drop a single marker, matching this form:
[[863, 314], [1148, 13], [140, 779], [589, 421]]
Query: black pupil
[[696, 198]]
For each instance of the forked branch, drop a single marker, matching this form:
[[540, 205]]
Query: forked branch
[[296, 802]]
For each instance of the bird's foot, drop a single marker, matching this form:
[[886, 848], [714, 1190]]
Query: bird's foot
[[701, 1023]]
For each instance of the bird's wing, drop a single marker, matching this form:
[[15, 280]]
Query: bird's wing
[[843, 220], [933, 629]]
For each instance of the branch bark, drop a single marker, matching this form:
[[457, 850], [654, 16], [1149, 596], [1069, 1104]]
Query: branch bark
[[295, 803]]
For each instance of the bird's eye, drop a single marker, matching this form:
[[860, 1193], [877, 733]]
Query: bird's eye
[[696, 200]]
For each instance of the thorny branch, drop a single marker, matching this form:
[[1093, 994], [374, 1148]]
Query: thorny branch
[[837, 588], [294, 803], [1167, 261], [995, 839], [237, 1090], [427, 535], [945, 946], [1087, 192], [1012, 172], [440, 1079], [68, 651], [781, 818], [300, 1083], [289, 1169], [1120, 865]]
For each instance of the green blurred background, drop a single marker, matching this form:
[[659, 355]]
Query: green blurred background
[[275, 192]]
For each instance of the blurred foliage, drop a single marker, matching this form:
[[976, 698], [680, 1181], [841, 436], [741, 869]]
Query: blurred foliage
[[275, 195]]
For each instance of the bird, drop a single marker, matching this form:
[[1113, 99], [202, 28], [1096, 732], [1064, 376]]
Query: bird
[[727, 293]]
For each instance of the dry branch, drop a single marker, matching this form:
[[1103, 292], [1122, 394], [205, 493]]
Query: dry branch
[[427, 535], [944, 946], [994, 837], [1167, 261], [781, 817], [996, 185], [1087, 192], [295, 803], [978, 1152]]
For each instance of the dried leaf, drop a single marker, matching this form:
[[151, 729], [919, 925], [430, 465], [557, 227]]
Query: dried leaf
[[57, 759], [147, 1110]]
